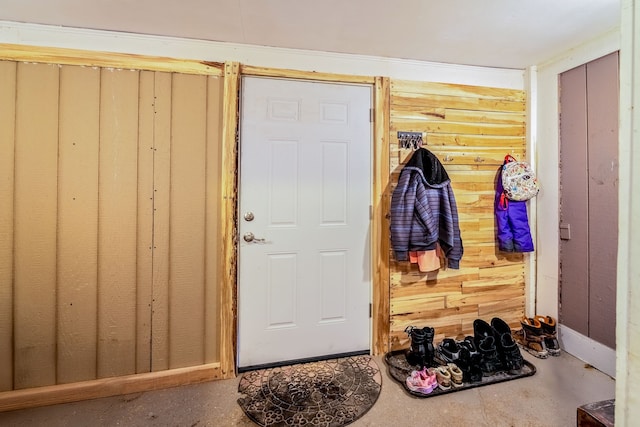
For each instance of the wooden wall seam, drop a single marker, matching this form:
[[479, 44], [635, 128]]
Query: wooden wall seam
[[64, 56], [228, 266], [380, 237]]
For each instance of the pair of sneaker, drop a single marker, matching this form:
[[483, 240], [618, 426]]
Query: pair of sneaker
[[497, 347], [422, 381], [463, 354], [448, 376]]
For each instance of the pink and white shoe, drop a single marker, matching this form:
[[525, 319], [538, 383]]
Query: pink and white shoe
[[423, 381]]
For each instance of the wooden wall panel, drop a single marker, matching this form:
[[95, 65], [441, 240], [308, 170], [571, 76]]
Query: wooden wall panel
[[161, 221], [35, 217], [228, 221], [470, 129], [110, 181], [7, 118], [187, 239], [118, 212], [144, 279], [78, 156], [213, 251]]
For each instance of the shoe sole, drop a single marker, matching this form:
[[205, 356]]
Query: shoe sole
[[533, 352]]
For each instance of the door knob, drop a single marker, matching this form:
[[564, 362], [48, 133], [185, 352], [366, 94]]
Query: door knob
[[249, 237]]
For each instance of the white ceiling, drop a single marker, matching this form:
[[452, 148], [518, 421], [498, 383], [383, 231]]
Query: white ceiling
[[496, 33]]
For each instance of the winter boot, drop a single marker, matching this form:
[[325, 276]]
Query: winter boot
[[548, 324], [484, 337], [469, 360], [416, 354], [532, 338], [429, 350], [508, 350]]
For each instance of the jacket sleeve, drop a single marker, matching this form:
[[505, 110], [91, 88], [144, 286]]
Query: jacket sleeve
[[452, 242], [402, 207]]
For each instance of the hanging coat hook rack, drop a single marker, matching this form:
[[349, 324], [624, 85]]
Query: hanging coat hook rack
[[410, 140]]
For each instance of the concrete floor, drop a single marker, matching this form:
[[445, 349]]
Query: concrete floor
[[549, 398]]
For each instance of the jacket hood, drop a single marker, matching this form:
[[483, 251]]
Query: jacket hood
[[429, 166]]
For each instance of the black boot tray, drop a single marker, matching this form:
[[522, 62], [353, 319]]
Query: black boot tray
[[400, 369]]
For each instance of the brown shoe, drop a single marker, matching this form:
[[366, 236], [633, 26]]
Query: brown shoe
[[531, 337], [548, 324]]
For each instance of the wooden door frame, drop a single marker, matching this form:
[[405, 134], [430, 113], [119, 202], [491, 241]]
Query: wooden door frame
[[381, 198]]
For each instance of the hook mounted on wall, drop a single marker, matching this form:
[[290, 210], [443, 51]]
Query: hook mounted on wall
[[410, 140]]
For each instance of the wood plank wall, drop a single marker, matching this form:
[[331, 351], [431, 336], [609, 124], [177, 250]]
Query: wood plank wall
[[107, 267], [470, 129]]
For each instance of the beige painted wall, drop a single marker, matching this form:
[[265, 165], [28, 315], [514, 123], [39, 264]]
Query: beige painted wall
[[108, 256]]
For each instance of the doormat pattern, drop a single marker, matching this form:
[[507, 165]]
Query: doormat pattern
[[329, 393]]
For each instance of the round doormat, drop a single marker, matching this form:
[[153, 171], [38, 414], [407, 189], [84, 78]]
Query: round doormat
[[329, 393]]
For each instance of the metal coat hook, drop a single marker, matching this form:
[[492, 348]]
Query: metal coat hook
[[479, 159], [448, 158], [410, 140]]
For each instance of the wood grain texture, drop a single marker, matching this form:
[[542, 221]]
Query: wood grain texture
[[228, 226], [470, 129], [95, 389], [380, 233], [54, 55], [250, 70]]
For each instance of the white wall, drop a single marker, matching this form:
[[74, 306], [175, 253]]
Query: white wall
[[547, 149], [50, 36]]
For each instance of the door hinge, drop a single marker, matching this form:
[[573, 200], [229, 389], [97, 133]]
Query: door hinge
[[371, 114], [370, 211], [370, 310]]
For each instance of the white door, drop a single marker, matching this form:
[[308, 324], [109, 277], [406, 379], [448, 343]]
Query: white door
[[305, 191]]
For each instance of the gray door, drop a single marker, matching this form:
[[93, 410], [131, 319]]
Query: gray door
[[589, 198]]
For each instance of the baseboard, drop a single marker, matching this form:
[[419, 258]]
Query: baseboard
[[106, 387], [584, 348]]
